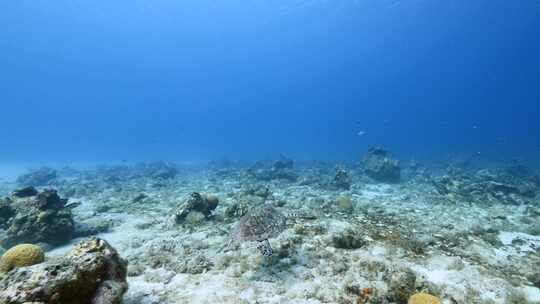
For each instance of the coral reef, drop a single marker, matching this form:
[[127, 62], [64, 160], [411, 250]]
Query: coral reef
[[41, 217], [20, 256], [378, 166], [463, 234], [92, 272]]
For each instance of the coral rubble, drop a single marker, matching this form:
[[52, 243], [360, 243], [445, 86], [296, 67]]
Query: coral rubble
[[335, 234]]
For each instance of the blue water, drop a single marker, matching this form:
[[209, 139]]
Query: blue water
[[195, 80]]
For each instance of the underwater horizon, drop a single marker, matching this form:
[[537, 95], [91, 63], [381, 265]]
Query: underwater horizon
[[270, 152]]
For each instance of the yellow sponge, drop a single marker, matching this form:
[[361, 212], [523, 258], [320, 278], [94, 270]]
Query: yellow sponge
[[423, 298], [21, 255]]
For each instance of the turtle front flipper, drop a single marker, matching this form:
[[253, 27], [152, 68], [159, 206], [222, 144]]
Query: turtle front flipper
[[264, 247]]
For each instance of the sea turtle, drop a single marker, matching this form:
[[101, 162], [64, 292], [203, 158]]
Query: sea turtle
[[261, 223]]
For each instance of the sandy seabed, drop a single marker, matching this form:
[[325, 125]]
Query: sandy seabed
[[390, 241]]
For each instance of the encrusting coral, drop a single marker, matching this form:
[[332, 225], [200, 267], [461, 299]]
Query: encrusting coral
[[20, 256], [344, 203], [424, 298]]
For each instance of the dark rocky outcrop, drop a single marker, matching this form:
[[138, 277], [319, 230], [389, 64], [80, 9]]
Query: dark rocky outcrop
[[520, 171], [380, 167], [281, 169], [25, 192], [6, 212], [283, 163], [122, 173], [91, 273], [341, 180], [40, 177], [36, 217]]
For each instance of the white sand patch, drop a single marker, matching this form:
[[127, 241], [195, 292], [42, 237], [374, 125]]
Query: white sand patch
[[375, 191], [127, 231], [378, 251], [207, 288], [525, 242], [532, 294], [457, 277], [142, 292], [117, 236], [438, 276], [337, 226]]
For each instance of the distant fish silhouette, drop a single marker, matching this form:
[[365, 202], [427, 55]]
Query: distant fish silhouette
[[361, 133]]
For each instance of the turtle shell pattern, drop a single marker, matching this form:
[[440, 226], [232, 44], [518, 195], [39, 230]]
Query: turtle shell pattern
[[260, 223]]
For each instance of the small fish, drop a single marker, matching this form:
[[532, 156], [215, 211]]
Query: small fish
[[72, 205], [361, 133]]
